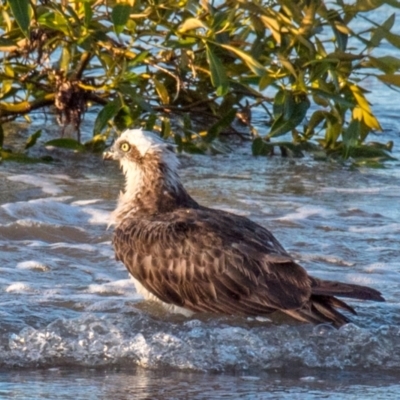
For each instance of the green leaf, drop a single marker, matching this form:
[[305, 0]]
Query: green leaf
[[316, 118], [351, 135], [119, 16], [261, 148], [336, 98], [333, 130], [292, 115], [223, 123], [178, 142], [66, 143], [251, 62], [123, 119], [97, 144], [387, 64], [21, 11], [218, 75], [109, 111], [341, 39], [367, 5], [390, 79], [393, 39], [22, 158], [88, 12], [151, 121], [162, 91], [370, 152], [283, 104], [32, 139], [166, 128]]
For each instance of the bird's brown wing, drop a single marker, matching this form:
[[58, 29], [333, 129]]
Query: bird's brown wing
[[211, 261]]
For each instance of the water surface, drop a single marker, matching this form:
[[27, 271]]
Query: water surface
[[67, 304]]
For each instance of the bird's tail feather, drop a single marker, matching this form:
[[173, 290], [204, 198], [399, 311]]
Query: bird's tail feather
[[322, 306], [350, 290], [322, 309]]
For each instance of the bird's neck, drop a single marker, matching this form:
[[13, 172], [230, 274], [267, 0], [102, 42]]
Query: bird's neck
[[151, 194]]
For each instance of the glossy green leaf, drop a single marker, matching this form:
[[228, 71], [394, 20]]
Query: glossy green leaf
[[351, 134], [33, 139], [105, 115], [334, 97], [88, 12], [294, 110], [119, 16], [22, 14], [123, 120], [220, 125], [250, 61], [218, 75], [261, 148]]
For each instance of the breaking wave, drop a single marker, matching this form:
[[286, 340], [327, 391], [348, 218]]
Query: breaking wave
[[214, 345]]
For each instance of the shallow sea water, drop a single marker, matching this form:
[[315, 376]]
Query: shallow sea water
[[72, 324]]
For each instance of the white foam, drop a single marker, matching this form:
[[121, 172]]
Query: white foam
[[98, 217], [85, 202], [41, 180], [54, 211], [305, 212], [18, 287], [32, 265], [119, 287]]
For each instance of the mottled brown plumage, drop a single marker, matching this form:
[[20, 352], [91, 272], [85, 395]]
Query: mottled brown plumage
[[207, 260]]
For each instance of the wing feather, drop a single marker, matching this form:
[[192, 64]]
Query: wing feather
[[208, 260]]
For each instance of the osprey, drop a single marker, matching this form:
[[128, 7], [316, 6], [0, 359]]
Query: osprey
[[198, 259]]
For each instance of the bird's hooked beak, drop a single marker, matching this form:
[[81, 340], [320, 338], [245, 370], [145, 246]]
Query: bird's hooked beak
[[110, 154]]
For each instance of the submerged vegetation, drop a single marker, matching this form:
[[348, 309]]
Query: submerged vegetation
[[194, 70]]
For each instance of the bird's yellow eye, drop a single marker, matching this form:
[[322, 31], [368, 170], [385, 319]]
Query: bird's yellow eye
[[125, 147]]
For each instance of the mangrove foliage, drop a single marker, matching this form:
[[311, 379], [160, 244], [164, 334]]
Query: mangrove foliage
[[197, 70]]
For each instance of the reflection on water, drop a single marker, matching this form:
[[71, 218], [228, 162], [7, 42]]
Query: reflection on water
[[71, 384]]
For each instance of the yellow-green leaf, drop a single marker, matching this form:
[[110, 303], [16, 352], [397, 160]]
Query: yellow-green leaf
[[191, 23], [32, 139], [360, 98], [391, 79], [162, 91], [250, 61]]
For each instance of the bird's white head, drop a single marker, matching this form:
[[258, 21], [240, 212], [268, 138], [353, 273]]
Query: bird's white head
[[146, 160]]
